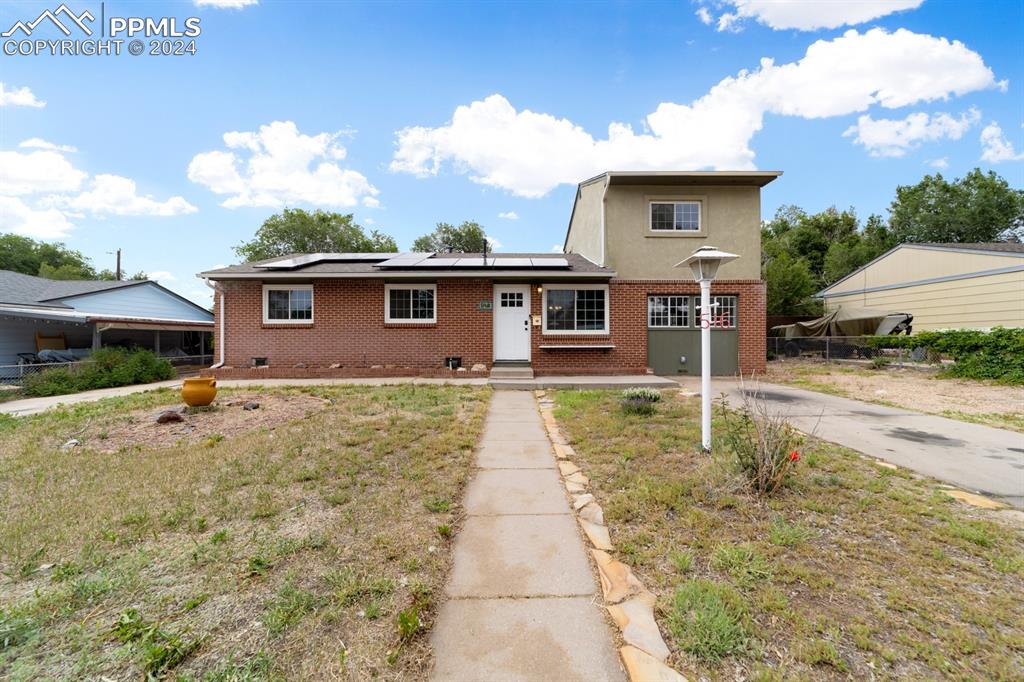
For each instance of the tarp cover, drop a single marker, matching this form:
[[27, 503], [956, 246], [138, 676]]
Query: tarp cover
[[846, 321]]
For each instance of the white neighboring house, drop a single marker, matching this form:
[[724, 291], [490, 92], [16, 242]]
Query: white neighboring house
[[944, 286], [82, 315]]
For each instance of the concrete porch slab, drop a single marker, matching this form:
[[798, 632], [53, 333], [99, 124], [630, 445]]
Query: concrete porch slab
[[512, 455], [584, 382], [506, 640], [515, 491], [520, 556]]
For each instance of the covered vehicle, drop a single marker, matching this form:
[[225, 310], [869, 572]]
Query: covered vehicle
[[848, 321]]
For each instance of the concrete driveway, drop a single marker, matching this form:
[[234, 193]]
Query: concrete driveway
[[974, 457]]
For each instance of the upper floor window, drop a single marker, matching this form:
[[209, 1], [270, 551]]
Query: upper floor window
[[413, 303], [288, 304], [681, 216], [577, 309]]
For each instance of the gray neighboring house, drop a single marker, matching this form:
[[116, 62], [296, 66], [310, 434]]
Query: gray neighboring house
[[82, 315]]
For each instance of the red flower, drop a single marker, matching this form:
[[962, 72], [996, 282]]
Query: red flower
[[794, 456]]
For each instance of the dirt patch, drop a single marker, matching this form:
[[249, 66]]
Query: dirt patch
[[223, 419], [904, 388]]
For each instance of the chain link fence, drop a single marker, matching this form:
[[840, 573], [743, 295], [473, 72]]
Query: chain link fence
[[12, 376], [843, 348]]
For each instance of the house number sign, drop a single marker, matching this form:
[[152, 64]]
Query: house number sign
[[486, 305]]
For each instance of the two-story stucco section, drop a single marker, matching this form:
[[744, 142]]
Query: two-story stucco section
[[641, 225]]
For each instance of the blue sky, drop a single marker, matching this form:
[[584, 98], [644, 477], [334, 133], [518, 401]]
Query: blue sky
[[407, 114]]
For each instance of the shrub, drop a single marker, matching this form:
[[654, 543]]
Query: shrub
[[880, 362], [997, 354], [639, 400], [706, 620], [763, 444], [105, 368]]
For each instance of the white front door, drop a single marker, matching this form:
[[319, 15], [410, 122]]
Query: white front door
[[512, 322]]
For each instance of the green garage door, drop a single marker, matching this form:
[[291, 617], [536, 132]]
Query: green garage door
[[673, 336]]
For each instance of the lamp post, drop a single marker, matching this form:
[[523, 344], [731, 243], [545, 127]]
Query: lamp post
[[704, 264]]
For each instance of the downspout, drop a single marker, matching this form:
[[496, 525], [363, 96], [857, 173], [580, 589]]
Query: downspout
[[604, 193], [220, 310]]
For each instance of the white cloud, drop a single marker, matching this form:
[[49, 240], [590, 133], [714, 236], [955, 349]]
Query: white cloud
[[19, 97], [556, 248], [705, 16], [42, 171], [278, 165], [162, 276], [530, 153], [43, 223], [40, 143], [804, 15], [509, 215], [492, 242], [894, 137], [116, 195], [995, 148], [41, 192], [369, 221], [225, 4], [941, 163]]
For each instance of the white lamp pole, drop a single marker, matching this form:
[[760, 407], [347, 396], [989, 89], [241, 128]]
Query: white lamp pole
[[704, 264]]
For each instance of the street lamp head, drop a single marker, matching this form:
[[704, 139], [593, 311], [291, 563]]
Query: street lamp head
[[704, 262]]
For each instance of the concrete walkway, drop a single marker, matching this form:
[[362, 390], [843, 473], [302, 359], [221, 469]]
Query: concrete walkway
[[974, 457], [522, 600]]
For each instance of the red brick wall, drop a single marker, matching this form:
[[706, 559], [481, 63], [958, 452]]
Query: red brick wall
[[628, 329], [348, 328]]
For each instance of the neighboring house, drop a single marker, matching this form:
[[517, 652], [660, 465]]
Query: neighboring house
[[82, 315], [614, 302], [944, 286]]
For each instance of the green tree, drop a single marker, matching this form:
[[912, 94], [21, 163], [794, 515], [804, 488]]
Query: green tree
[[790, 286], [297, 231], [845, 256], [468, 237], [980, 207], [30, 257]]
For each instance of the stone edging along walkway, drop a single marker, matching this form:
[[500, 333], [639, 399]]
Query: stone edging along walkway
[[629, 604]]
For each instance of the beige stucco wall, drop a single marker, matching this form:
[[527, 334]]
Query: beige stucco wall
[[731, 220], [585, 227], [974, 303], [911, 264]]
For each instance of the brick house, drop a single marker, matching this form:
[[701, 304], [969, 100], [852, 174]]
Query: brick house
[[613, 303]]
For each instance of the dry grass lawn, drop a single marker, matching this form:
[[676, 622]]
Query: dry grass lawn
[[853, 570], [980, 402], [312, 543]]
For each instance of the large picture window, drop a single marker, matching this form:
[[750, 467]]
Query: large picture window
[[288, 304], [675, 216], [665, 312], [581, 309], [410, 303]]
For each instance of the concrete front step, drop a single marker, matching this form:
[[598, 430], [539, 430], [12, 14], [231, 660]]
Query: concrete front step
[[511, 372]]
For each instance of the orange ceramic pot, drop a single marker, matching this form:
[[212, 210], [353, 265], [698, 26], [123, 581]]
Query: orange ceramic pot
[[199, 391]]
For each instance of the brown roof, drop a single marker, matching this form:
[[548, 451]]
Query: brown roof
[[996, 247]]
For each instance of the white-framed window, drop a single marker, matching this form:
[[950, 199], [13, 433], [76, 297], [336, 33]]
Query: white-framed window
[[575, 309], [668, 312], [287, 304], [723, 312], [675, 216], [410, 303]]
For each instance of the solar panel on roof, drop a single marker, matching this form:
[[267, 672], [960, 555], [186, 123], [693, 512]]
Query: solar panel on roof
[[474, 262], [404, 260], [550, 262], [310, 258], [501, 262]]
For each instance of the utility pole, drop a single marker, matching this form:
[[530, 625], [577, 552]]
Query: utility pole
[[117, 272]]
